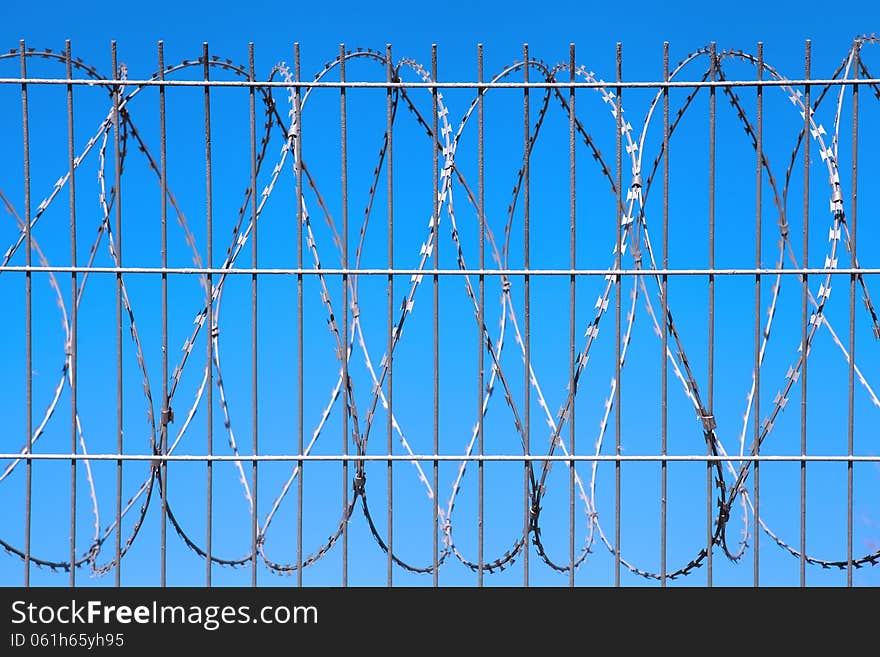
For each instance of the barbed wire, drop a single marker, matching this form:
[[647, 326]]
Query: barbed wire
[[632, 240]]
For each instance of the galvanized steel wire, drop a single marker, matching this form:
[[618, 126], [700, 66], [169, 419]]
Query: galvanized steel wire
[[729, 467]]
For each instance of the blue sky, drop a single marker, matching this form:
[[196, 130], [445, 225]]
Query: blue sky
[[456, 28]]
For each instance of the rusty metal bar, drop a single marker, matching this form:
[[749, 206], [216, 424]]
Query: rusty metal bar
[[73, 312], [298, 120], [209, 363]]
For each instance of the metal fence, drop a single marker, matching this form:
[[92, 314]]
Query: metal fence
[[506, 352]]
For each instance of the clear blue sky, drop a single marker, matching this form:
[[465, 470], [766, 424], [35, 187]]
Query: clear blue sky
[[456, 28]]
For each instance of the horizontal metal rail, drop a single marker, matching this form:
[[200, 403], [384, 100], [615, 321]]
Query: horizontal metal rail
[[360, 84], [403, 271], [456, 458]]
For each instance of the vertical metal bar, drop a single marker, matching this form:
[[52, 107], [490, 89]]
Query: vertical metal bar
[[527, 312], [710, 357], [209, 239], [343, 141], [389, 69], [297, 117], [28, 350], [482, 312], [73, 313], [759, 176], [852, 323], [665, 310], [572, 288], [165, 418], [118, 213], [254, 332], [804, 314], [617, 261], [436, 241]]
